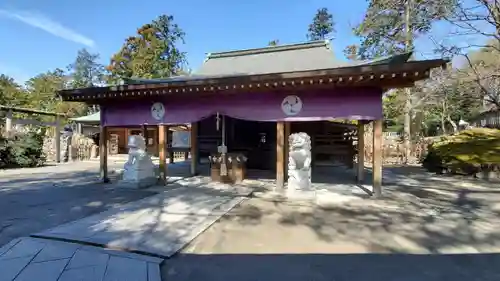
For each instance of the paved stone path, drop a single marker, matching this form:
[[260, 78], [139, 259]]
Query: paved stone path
[[28, 259], [45, 197], [158, 225], [153, 227]]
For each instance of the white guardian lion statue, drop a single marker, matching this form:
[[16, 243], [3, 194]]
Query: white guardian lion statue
[[139, 170], [299, 162]]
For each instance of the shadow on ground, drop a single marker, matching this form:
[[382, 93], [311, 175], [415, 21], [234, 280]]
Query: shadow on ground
[[33, 202], [416, 215], [349, 267]]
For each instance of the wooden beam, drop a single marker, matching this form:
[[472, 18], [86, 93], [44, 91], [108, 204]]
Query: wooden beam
[[103, 153], [377, 158], [194, 148], [162, 146], [30, 111], [361, 151], [280, 151], [57, 140], [33, 122]]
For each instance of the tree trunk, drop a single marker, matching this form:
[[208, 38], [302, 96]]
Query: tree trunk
[[443, 124], [407, 126], [407, 110], [453, 124]]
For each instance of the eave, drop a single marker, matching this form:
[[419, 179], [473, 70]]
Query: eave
[[381, 75]]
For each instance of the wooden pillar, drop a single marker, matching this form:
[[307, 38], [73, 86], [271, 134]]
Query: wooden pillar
[[162, 147], [280, 151], [145, 134], [377, 158], [169, 144], [57, 140], [8, 122], [103, 153], [194, 149], [287, 135], [361, 151]]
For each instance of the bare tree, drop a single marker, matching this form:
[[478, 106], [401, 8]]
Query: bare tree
[[475, 36]]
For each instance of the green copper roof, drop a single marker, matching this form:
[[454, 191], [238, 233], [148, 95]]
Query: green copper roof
[[307, 56], [92, 118], [315, 55]]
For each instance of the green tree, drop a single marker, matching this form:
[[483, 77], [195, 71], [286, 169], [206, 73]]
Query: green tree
[[274, 42], [152, 53], [351, 52], [392, 106], [11, 93], [321, 26], [86, 71], [392, 26], [42, 91]]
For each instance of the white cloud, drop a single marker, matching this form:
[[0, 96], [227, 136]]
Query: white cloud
[[43, 22]]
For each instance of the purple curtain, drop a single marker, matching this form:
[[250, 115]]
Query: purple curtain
[[348, 103]]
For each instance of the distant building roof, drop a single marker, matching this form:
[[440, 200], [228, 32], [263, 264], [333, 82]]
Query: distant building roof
[[92, 118]]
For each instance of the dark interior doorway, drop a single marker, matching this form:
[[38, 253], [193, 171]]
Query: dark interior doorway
[[256, 140]]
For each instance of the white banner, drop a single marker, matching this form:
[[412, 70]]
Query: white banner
[[181, 139]]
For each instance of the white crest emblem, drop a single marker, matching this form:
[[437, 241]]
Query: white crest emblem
[[158, 111], [291, 105]]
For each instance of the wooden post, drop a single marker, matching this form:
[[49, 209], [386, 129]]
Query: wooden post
[[103, 153], [194, 148], [162, 146], [8, 122], [280, 159], [57, 140], [145, 135], [361, 151], [170, 151], [286, 148], [377, 158]]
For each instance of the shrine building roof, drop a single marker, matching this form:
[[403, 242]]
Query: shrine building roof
[[277, 59], [302, 65]]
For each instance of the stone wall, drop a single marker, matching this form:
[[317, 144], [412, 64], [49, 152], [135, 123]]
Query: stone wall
[[73, 148]]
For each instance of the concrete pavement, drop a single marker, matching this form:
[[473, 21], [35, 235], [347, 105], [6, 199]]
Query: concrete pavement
[[153, 227], [159, 225], [27, 259]]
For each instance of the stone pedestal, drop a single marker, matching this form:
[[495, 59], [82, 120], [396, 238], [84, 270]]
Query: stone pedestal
[[139, 171]]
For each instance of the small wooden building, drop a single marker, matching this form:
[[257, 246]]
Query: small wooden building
[[263, 95], [118, 136], [487, 119]]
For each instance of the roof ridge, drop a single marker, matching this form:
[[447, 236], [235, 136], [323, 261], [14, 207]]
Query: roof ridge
[[270, 49]]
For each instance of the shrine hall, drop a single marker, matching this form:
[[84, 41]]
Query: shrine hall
[[247, 103]]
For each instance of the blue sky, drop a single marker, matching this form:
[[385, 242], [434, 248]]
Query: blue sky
[[41, 35]]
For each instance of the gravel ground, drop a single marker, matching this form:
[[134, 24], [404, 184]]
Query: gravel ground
[[425, 228]]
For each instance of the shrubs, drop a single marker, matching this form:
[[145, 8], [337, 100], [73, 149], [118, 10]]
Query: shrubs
[[22, 150], [468, 152]]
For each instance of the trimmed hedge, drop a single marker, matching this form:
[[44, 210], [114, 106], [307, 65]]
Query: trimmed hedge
[[468, 152], [22, 150]]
